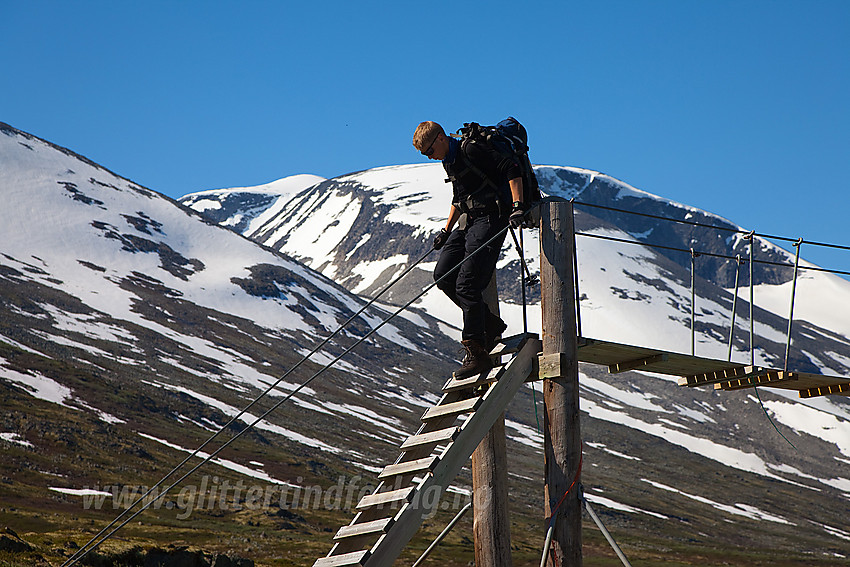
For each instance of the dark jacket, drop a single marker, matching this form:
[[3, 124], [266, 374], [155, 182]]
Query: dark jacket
[[479, 177]]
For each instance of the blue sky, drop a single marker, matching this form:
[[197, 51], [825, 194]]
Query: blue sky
[[737, 107]]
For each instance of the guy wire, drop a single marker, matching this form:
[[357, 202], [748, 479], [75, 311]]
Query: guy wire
[[83, 551], [80, 554]]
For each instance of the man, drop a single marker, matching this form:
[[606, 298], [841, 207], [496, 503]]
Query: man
[[487, 195]]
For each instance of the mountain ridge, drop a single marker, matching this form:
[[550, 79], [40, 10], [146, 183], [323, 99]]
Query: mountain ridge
[[132, 329]]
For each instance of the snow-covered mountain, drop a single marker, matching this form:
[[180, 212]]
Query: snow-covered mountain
[[364, 228], [368, 226], [126, 316], [242, 208], [78, 229], [131, 327]]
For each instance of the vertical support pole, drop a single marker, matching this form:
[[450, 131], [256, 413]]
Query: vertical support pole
[[752, 237], [575, 274], [734, 305], [693, 301], [524, 283], [562, 434], [798, 244], [491, 525]]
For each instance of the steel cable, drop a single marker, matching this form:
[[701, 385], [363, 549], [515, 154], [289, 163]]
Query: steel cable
[[703, 225], [725, 257], [85, 550]]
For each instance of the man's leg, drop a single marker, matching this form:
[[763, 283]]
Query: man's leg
[[493, 327], [446, 275], [451, 254], [473, 278], [475, 274]]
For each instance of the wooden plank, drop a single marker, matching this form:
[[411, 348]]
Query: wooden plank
[[551, 365], [510, 345], [431, 438], [455, 384], [408, 467], [678, 364], [638, 363], [453, 408], [353, 558], [765, 378], [806, 380], [351, 544], [697, 371], [388, 497], [828, 390], [715, 377], [365, 528]]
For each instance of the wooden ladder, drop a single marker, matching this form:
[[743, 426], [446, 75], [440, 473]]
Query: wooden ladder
[[410, 489]]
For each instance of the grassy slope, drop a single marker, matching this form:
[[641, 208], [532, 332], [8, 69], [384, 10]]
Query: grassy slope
[[85, 451]]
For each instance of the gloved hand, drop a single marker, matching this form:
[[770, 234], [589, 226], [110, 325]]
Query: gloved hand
[[441, 239], [517, 215]]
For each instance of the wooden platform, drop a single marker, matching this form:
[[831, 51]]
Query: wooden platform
[[697, 371]]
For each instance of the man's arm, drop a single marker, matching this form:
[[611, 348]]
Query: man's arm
[[440, 240], [454, 214], [517, 215], [516, 189]]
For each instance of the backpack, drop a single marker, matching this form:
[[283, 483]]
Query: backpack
[[510, 139]]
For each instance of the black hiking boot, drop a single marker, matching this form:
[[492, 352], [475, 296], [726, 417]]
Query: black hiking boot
[[476, 361], [493, 327]]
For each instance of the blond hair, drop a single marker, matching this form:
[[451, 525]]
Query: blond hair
[[425, 134]]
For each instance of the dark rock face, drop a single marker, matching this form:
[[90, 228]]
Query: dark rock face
[[236, 209], [12, 543], [671, 225]]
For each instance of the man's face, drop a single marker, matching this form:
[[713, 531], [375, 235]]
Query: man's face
[[439, 148]]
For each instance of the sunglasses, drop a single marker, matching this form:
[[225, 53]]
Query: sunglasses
[[430, 149]]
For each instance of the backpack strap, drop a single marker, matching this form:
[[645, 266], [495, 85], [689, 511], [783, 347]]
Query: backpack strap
[[486, 195]]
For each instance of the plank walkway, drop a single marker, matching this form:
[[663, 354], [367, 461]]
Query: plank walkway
[[698, 371]]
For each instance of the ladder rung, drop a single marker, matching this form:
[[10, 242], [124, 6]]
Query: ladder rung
[[431, 438], [372, 500], [353, 558], [455, 384], [366, 528], [510, 345], [454, 408], [409, 467]]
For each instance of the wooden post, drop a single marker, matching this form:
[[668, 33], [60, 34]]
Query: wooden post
[[562, 435], [491, 523]]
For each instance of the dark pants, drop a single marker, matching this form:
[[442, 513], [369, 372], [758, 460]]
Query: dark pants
[[465, 286]]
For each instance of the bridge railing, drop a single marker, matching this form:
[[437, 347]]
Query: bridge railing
[[740, 260]]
